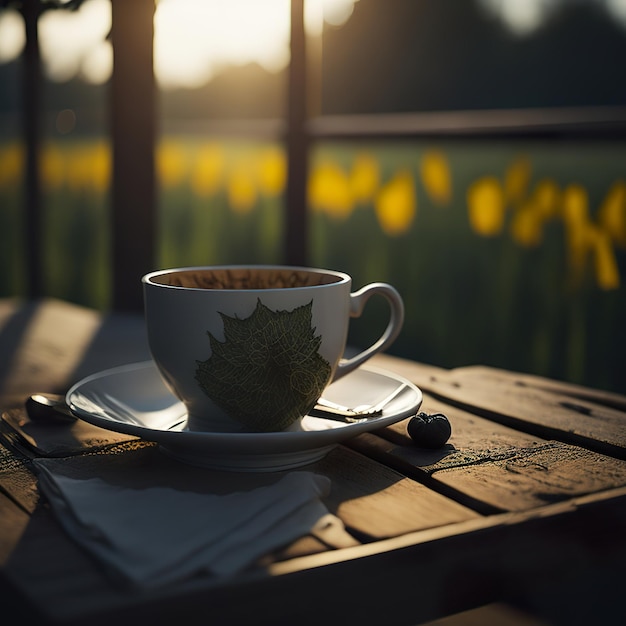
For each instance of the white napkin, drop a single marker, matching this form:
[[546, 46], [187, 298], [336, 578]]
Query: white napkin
[[155, 535]]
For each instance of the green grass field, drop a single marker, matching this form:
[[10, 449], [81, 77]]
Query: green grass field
[[510, 255]]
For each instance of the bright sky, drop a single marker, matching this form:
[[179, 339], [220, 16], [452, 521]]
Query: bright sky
[[194, 38]]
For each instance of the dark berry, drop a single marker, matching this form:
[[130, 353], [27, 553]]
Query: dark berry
[[429, 431]]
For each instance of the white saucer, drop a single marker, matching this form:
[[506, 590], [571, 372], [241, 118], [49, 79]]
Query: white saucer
[[133, 399]]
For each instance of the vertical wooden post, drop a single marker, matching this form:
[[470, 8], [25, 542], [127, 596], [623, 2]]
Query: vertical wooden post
[[133, 129], [31, 129], [296, 244]]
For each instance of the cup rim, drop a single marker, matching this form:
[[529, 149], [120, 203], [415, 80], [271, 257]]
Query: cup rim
[[148, 279]]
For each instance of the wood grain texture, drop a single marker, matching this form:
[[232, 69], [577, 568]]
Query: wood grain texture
[[491, 467], [52, 338], [55, 439], [377, 501], [17, 482], [13, 521], [50, 344], [496, 375], [548, 412]]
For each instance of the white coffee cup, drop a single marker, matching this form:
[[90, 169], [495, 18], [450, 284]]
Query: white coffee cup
[[252, 348]]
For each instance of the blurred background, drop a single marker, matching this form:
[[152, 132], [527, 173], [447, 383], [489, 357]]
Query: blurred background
[[509, 249]]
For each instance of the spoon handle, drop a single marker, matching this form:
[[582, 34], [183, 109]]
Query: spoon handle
[[337, 413], [328, 408], [324, 404], [48, 407]]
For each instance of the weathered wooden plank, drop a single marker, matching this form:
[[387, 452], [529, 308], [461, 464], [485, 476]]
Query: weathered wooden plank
[[57, 439], [513, 555], [16, 480], [495, 613], [54, 336], [547, 408], [48, 345], [376, 501], [541, 412], [13, 521], [492, 467], [498, 376], [535, 477]]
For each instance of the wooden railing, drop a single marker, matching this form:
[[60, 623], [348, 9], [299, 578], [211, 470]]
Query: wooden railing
[[133, 131]]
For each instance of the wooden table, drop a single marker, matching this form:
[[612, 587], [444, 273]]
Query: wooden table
[[523, 510]]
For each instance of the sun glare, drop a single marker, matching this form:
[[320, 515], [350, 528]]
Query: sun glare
[[74, 43], [12, 35], [193, 39]]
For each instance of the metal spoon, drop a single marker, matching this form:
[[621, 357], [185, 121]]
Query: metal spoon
[[48, 407]]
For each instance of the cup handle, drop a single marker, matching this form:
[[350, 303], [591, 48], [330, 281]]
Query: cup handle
[[358, 299]]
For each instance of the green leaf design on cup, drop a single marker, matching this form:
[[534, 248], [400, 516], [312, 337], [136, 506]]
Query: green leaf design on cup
[[268, 371]]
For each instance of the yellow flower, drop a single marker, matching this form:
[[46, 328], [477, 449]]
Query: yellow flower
[[526, 226], [242, 193], [486, 204], [99, 160], [545, 198], [530, 216], [272, 171], [11, 164], [436, 177], [577, 225], [516, 180], [364, 178], [77, 168], [612, 213], [575, 204], [607, 272], [208, 170], [396, 204], [171, 163], [52, 164], [580, 232], [329, 190]]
